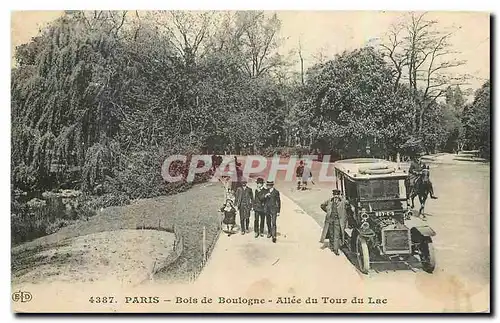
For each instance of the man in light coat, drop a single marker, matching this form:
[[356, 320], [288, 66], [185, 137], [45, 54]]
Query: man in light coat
[[335, 217]]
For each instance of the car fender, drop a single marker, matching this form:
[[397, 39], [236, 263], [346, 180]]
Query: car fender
[[424, 230]]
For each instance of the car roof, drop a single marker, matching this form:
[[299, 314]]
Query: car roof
[[369, 168]]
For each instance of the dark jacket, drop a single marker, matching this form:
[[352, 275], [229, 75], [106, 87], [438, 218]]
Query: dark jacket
[[273, 202], [414, 171], [299, 171], [229, 216], [244, 198], [260, 200]]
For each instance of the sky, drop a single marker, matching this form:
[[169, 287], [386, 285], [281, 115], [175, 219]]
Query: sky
[[332, 32]]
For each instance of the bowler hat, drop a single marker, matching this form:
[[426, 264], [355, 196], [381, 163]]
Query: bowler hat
[[260, 180], [336, 192]]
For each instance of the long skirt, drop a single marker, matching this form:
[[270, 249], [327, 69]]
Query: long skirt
[[229, 218]]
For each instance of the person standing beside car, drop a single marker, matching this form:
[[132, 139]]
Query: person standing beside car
[[331, 227]]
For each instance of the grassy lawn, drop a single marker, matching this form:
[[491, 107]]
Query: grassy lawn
[[189, 211]]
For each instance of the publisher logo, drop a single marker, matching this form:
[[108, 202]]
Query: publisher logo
[[22, 297]]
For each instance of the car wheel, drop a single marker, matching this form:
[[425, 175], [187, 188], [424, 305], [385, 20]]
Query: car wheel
[[363, 255]]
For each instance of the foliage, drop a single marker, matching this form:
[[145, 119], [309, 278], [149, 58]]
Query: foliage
[[100, 98], [354, 104], [477, 121], [285, 152], [419, 51]]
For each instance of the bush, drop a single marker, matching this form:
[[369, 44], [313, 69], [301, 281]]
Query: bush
[[39, 217], [285, 152], [103, 201], [56, 225], [141, 178]]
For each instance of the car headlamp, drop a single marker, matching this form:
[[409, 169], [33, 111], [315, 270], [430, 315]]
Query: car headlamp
[[365, 226]]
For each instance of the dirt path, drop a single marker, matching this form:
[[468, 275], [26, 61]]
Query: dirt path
[[297, 266], [243, 267]]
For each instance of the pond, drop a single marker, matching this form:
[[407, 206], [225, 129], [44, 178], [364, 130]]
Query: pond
[[36, 214]]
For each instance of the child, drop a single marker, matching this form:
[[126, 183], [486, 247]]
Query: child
[[229, 216]]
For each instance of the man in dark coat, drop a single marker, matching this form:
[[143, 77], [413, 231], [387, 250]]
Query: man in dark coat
[[273, 208], [244, 203], [259, 208], [299, 172], [214, 161]]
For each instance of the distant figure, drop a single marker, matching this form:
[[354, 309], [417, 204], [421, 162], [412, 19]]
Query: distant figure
[[239, 172], [229, 216], [214, 162], [273, 208], [244, 203], [298, 172], [306, 175], [239, 176], [320, 156], [259, 209]]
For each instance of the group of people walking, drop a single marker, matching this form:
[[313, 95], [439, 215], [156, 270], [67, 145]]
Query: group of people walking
[[265, 203]]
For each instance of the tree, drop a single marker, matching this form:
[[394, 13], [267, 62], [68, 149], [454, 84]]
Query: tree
[[354, 104], [477, 121], [418, 51], [64, 98], [255, 40], [187, 31], [452, 112], [301, 64]]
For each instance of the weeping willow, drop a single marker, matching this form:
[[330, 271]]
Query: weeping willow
[[87, 97], [62, 104]]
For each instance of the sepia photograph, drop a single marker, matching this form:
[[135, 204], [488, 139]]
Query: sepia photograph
[[170, 161]]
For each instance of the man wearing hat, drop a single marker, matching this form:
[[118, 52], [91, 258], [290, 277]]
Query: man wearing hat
[[259, 209], [244, 203], [299, 172], [332, 221], [415, 172], [273, 207]]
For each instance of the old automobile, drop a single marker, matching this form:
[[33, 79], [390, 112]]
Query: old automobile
[[376, 220]]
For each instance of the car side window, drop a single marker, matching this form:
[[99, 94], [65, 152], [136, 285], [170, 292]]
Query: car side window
[[351, 192]]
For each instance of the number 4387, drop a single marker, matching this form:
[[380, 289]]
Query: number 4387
[[101, 300]]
